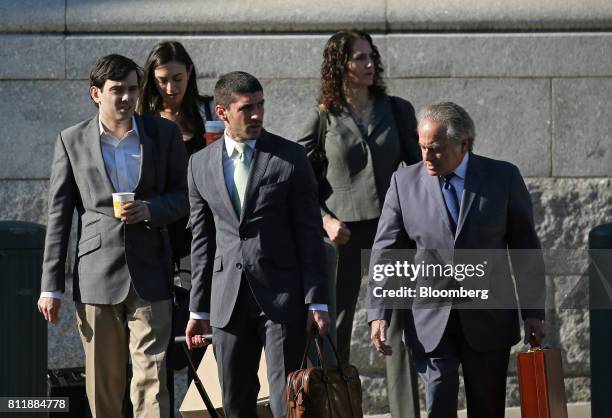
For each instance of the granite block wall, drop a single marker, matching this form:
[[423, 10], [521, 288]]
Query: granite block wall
[[537, 80]]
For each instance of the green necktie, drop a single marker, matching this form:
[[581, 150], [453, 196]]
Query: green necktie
[[241, 175]]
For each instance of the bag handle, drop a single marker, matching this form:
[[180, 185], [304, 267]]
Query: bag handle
[[311, 337], [317, 338], [533, 344], [314, 335], [344, 376]]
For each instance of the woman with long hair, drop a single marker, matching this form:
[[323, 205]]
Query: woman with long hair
[[355, 140], [170, 90]]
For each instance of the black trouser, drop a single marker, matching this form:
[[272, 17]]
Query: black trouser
[[484, 376], [237, 348]]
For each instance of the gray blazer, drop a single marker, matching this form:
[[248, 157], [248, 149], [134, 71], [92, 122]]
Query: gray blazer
[[360, 168], [110, 253], [276, 242], [496, 213]]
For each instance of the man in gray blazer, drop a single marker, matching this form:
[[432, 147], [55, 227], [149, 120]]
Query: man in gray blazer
[[457, 200], [122, 270], [258, 273]]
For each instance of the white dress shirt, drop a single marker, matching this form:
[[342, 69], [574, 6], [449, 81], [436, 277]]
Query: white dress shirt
[[229, 162], [122, 158]]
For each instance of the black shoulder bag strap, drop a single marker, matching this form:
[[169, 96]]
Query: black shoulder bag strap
[[407, 156], [319, 159]]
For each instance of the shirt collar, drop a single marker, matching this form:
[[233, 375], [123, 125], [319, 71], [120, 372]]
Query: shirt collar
[[133, 130], [461, 170], [230, 143]]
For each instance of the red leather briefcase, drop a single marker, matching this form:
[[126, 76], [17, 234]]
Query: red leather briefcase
[[541, 384]]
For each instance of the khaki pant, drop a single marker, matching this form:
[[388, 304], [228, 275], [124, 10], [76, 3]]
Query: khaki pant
[[109, 333]]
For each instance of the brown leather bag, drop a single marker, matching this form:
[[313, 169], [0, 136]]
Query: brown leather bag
[[323, 392]]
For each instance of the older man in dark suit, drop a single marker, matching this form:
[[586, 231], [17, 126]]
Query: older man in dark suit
[[122, 271], [257, 250], [457, 200]]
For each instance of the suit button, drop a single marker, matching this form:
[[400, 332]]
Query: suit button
[[243, 238], [239, 266]]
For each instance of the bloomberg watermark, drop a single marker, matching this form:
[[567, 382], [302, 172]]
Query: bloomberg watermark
[[464, 279]]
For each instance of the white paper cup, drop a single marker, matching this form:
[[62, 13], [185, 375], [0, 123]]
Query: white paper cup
[[119, 199], [214, 130]]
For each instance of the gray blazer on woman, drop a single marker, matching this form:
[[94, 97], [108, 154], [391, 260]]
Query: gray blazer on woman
[[360, 167]]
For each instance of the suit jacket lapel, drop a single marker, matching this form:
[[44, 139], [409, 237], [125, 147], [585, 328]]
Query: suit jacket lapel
[[473, 180], [218, 176], [263, 148], [147, 165], [93, 138]]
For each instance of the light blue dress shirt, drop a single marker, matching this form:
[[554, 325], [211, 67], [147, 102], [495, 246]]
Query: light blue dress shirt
[[122, 158]]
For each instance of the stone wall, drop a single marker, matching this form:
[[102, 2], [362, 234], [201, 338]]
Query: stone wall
[[536, 78]]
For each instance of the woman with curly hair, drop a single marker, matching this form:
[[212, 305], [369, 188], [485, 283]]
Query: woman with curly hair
[[355, 140]]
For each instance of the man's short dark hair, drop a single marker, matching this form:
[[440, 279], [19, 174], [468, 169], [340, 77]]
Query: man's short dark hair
[[236, 82], [112, 67]]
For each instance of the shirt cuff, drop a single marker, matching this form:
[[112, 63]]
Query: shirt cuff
[[318, 307], [199, 315], [55, 294]]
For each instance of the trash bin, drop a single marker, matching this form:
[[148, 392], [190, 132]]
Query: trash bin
[[23, 334], [600, 314]]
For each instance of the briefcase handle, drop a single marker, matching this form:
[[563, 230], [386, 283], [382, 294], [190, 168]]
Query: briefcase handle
[[314, 335], [533, 346]]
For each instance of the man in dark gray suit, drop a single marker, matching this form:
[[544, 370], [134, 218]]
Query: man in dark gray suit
[[257, 251], [457, 200], [122, 271]]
